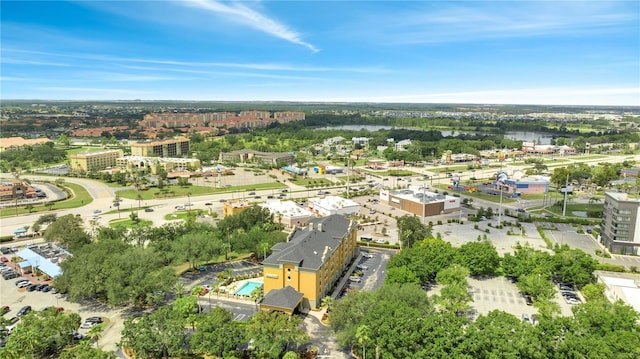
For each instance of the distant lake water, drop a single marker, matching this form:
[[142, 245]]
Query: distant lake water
[[537, 137]]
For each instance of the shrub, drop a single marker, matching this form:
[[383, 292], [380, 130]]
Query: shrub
[[610, 267]]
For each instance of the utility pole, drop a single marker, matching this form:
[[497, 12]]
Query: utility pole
[[566, 188]]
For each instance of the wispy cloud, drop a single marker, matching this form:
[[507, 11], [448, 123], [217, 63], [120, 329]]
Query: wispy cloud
[[249, 17], [36, 56], [456, 23]]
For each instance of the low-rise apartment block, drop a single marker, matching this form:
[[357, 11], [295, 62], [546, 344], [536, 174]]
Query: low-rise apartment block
[[94, 161], [303, 270], [171, 147]]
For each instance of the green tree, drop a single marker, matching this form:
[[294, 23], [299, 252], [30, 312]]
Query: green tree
[[481, 258], [272, 332], [401, 275], [85, 351], [160, 334], [217, 334], [455, 274], [188, 310], [41, 334], [426, 258], [363, 335], [594, 291], [538, 287], [410, 230], [501, 335], [95, 333], [574, 266], [68, 231]]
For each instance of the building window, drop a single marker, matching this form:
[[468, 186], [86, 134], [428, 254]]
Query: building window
[[289, 278]]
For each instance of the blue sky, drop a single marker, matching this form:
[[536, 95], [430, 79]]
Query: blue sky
[[542, 52]]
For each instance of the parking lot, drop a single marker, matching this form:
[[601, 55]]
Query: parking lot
[[498, 293], [16, 298]]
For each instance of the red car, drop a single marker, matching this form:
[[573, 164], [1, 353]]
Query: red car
[[3, 259]]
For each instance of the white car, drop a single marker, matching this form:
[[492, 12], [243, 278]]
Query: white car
[[23, 283], [573, 301], [355, 279], [368, 255]]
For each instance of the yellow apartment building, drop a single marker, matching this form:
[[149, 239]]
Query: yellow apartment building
[[171, 147], [94, 161], [303, 270]]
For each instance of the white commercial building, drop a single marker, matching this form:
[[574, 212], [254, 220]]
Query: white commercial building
[[326, 206], [288, 213], [621, 286]]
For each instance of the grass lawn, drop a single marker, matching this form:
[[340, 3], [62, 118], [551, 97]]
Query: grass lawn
[[128, 223], [311, 182], [449, 169], [183, 214], [395, 173], [79, 198], [479, 195], [577, 207], [178, 191]]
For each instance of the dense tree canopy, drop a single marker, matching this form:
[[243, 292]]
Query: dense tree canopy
[[41, 334], [481, 258]]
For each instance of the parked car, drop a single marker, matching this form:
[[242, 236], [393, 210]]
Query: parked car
[[251, 193], [31, 287], [527, 299], [24, 310], [77, 336], [573, 301], [90, 322], [570, 295], [4, 310], [13, 322], [368, 255], [148, 209], [525, 318], [10, 275], [566, 286], [534, 319], [4, 259], [22, 283], [45, 289]]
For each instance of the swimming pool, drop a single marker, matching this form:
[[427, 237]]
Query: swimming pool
[[247, 288]]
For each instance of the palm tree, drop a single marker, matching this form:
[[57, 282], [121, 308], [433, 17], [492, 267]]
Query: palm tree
[[95, 333], [326, 303], [139, 198], [116, 202], [363, 334], [264, 246], [178, 289], [256, 295]]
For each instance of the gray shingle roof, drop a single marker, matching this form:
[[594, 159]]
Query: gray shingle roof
[[308, 245], [286, 298]]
